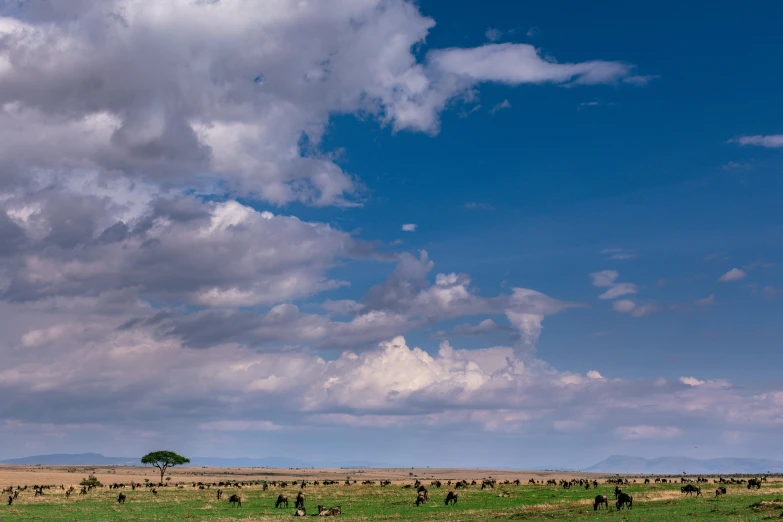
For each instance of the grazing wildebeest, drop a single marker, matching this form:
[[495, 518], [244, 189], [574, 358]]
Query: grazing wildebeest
[[154, 491], [300, 500], [720, 491], [624, 500], [423, 490], [300, 512], [121, 498], [451, 497], [235, 501], [462, 484], [754, 483], [281, 499], [219, 493], [10, 500], [646, 481], [504, 494], [336, 510], [600, 499], [617, 491], [420, 499], [690, 489]]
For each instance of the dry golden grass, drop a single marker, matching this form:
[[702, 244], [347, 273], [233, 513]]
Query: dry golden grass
[[124, 474]]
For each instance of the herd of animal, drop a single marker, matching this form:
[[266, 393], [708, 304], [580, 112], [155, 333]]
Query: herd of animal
[[622, 499]]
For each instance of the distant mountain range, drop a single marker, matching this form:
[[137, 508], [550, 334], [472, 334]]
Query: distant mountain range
[[613, 464], [678, 465], [95, 459]]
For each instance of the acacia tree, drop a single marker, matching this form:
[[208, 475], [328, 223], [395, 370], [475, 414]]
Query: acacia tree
[[164, 460]]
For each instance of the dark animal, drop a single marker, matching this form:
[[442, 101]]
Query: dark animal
[[154, 491], [624, 500], [754, 483], [690, 489], [219, 493], [300, 500], [335, 511], [235, 501], [720, 491], [281, 499], [10, 500], [121, 498], [451, 497], [617, 491], [420, 499], [600, 499], [423, 490]]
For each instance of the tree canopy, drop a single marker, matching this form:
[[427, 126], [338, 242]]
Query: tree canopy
[[164, 460]]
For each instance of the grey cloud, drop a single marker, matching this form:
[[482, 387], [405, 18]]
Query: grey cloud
[[406, 300], [215, 254], [12, 237]]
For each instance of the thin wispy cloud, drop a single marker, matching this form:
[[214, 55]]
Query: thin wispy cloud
[[736, 165], [641, 81], [478, 206], [409, 227], [618, 290], [594, 103], [770, 141], [619, 254], [505, 104]]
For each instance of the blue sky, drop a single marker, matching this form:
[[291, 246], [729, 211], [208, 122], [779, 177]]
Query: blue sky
[[554, 180], [220, 192]]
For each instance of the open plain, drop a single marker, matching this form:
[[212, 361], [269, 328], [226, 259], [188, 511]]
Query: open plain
[[191, 494]]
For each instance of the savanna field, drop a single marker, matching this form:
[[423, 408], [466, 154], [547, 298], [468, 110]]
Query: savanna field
[[369, 501]]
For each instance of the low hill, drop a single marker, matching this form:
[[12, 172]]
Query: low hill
[[691, 466], [67, 459]]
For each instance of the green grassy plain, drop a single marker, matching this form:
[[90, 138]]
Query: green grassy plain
[[527, 502]]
